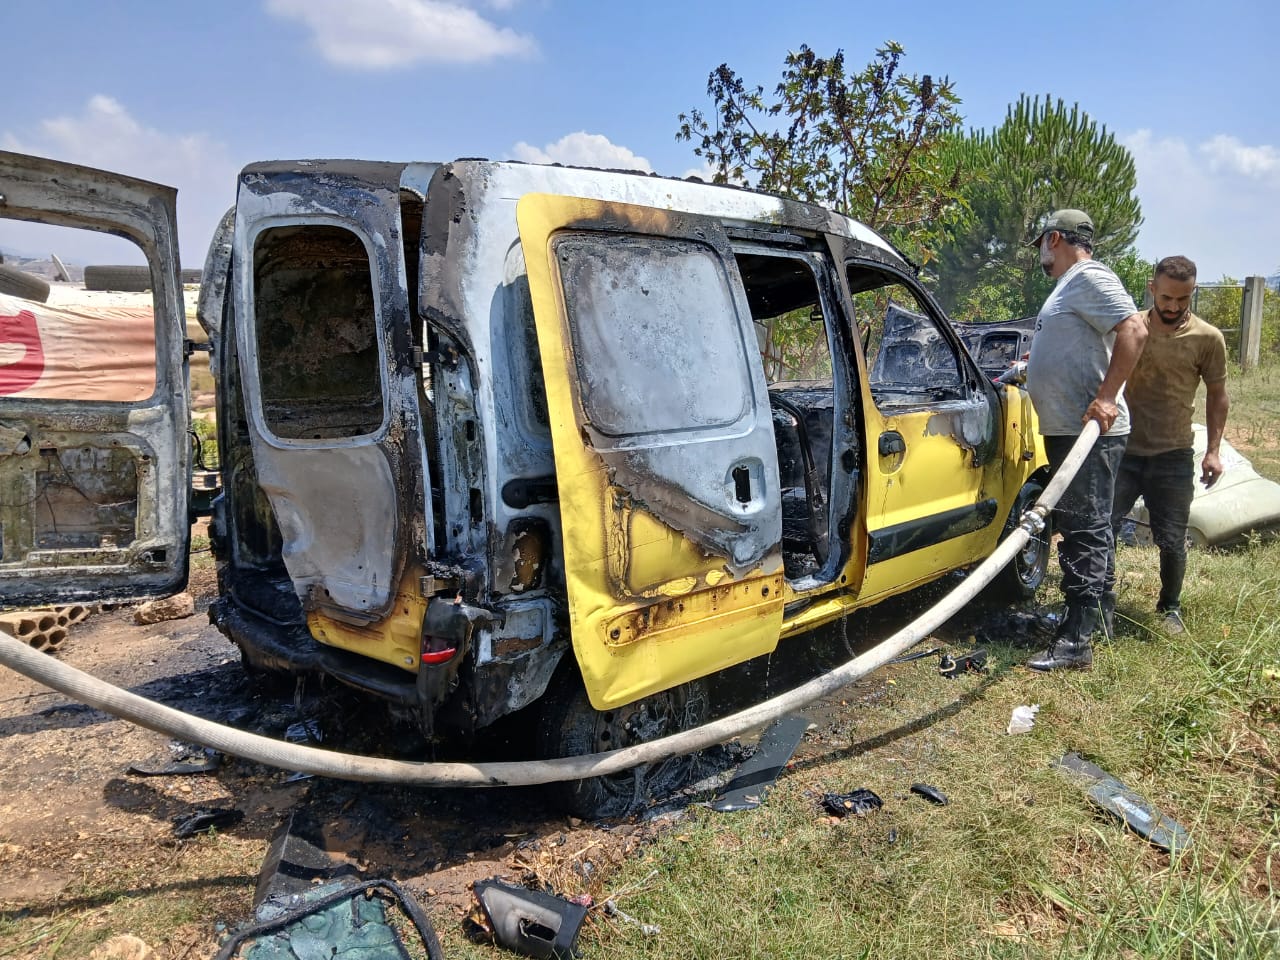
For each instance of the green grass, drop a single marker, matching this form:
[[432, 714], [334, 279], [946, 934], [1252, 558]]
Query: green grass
[[1018, 864]]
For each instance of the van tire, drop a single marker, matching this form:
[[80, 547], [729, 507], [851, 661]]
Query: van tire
[[19, 283], [1022, 576], [569, 726], [118, 278]]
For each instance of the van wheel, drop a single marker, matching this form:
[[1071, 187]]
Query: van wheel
[[570, 727], [19, 283], [1022, 576]]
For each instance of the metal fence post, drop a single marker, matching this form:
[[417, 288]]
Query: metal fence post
[[1251, 322]]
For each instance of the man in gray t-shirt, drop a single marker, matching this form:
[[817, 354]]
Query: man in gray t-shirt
[[1089, 335]]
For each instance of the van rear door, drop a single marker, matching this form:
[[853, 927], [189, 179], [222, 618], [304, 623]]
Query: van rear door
[[324, 344], [95, 459], [663, 438]]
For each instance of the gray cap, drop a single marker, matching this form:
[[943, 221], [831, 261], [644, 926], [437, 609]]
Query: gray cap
[[1066, 221]]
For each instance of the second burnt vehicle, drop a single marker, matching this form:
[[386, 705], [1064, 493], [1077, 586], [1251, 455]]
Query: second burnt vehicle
[[498, 435]]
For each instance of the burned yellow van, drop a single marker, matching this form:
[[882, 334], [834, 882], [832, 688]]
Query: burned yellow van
[[499, 434]]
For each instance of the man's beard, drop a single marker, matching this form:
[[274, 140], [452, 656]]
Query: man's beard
[[1046, 260], [1176, 319]]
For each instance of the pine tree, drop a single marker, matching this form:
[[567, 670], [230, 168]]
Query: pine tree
[[1043, 157]]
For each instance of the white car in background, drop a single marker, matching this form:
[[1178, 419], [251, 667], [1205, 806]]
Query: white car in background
[[1240, 503]]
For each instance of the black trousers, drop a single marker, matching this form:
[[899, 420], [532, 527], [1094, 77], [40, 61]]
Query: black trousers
[[1166, 483], [1083, 517]]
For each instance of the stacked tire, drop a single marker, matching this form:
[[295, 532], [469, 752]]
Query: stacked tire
[[127, 279], [21, 284]]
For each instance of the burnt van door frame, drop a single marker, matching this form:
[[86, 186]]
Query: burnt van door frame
[[345, 505], [665, 458], [153, 432]]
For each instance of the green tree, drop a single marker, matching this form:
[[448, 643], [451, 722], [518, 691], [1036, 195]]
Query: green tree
[[1220, 303], [1134, 272], [1044, 156], [867, 144]]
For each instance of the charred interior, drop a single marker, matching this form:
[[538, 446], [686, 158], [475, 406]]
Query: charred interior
[[786, 307]]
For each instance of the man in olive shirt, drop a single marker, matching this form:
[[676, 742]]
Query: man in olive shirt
[[1182, 351]]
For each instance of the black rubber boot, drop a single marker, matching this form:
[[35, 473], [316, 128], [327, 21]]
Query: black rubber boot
[[1107, 608], [1072, 647]]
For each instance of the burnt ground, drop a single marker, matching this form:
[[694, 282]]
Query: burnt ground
[[77, 828]]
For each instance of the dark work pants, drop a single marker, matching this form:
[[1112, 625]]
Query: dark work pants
[[1166, 483], [1083, 517]]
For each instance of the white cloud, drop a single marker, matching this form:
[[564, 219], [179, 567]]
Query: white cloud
[[1228, 154], [1214, 202], [385, 34], [105, 135], [583, 149]]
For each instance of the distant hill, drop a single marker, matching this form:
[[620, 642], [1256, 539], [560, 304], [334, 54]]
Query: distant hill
[[44, 268]]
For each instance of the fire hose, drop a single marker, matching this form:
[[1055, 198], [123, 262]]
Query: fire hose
[[343, 766]]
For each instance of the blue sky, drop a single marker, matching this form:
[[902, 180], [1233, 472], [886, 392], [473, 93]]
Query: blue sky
[[186, 93]]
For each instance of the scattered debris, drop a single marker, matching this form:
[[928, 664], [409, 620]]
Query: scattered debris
[[188, 825], [777, 745], [171, 608], [1023, 718], [1021, 628], [1132, 808], [60, 271], [860, 802], [43, 628], [305, 731], [528, 921], [124, 946], [185, 759], [611, 909], [336, 920], [308, 906], [930, 793], [295, 862], [918, 655], [975, 661]]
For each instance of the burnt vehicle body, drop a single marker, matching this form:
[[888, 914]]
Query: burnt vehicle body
[[999, 345], [493, 429]]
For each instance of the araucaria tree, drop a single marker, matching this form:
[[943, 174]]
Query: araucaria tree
[[868, 144], [1044, 156]]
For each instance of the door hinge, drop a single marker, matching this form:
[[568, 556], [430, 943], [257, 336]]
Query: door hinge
[[446, 357], [430, 586], [191, 346]]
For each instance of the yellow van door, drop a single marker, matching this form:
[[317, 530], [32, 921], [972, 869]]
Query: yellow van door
[[663, 438], [933, 478]]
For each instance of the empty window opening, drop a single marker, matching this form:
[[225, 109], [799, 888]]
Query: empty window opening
[[637, 305], [80, 327], [909, 361], [319, 365]]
